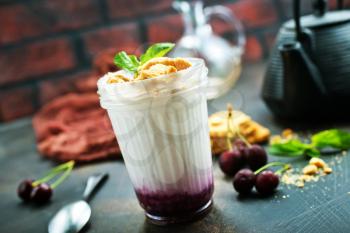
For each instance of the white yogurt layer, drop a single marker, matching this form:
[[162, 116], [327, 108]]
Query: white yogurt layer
[[163, 131]]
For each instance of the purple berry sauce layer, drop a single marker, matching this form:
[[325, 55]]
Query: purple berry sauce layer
[[165, 204]]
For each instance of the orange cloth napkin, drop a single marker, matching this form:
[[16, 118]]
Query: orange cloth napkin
[[74, 126]]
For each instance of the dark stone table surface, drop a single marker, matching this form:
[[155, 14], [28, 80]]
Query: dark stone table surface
[[319, 207]]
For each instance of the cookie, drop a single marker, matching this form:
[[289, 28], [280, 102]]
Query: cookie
[[251, 130]]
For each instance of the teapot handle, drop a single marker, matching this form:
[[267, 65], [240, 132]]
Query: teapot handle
[[304, 36], [296, 15], [225, 14], [320, 7], [340, 4]]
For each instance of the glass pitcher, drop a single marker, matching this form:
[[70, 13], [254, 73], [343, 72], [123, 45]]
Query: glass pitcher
[[222, 58]]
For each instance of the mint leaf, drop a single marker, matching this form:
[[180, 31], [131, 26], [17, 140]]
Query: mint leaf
[[293, 148], [126, 62], [334, 138], [331, 138], [131, 63], [312, 152], [134, 60], [156, 50]]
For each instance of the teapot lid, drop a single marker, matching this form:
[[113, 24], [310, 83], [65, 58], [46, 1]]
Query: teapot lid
[[313, 21]]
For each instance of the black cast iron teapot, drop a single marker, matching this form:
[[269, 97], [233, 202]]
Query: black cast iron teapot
[[309, 70]]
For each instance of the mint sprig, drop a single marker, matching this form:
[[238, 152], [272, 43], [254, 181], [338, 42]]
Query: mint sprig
[[131, 63], [332, 138], [293, 148]]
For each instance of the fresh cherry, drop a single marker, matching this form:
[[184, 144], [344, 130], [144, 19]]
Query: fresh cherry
[[24, 189], [255, 156], [231, 161], [266, 182], [41, 193], [244, 181], [241, 146]]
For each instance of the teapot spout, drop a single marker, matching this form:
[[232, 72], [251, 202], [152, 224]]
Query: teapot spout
[[302, 79]]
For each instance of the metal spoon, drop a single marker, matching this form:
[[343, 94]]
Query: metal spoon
[[73, 217]]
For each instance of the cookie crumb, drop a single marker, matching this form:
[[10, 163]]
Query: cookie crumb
[[310, 169], [310, 173], [317, 162], [327, 170]]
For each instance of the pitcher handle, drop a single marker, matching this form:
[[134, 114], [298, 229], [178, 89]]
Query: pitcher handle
[[226, 15]]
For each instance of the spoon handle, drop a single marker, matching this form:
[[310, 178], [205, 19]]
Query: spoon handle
[[93, 183]]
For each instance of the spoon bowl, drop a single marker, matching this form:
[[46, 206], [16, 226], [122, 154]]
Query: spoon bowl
[[71, 218]]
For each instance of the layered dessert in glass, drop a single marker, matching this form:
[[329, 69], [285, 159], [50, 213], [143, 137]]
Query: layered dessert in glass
[[160, 119]]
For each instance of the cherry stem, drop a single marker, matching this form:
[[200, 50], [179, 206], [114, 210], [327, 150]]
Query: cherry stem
[[63, 166], [243, 138], [234, 129], [46, 178], [53, 172], [272, 164], [283, 169], [66, 173], [229, 134]]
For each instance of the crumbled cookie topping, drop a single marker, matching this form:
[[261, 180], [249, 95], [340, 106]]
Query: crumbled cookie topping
[[117, 78], [153, 68]]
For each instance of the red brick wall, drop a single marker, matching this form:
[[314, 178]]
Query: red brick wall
[[46, 44]]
